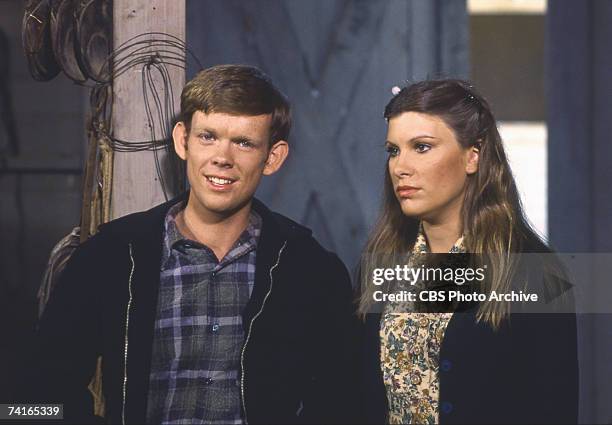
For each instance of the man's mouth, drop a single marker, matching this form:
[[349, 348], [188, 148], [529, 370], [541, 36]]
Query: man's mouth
[[220, 181]]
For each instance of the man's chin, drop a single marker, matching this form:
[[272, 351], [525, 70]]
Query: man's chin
[[222, 206]]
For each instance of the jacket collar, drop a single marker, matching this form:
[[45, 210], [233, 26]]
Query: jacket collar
[[144, 226]]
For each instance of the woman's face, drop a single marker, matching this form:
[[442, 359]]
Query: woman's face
[[428, 166]]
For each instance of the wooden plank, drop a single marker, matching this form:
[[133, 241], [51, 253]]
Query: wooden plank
[[136, 185]]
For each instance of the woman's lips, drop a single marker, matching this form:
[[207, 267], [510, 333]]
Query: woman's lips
[[406, 191]]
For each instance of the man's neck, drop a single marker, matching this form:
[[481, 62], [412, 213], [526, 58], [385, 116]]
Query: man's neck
[[217, 232]]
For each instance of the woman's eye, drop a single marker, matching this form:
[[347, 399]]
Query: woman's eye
[[422, 147], [392, 150]]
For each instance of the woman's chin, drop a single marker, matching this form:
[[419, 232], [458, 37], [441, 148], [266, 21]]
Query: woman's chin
[[412, 212]]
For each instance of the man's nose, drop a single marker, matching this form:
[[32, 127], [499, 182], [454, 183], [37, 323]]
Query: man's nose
[[223, 155]]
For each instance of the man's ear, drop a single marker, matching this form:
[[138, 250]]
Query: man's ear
[[179, 136], [276, 156], [473, 157]]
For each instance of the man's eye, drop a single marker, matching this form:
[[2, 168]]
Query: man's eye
[[207, 137], [245, 144], [422, 147], [392, 150]]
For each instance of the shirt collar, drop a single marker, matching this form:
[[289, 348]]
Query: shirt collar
[[171, 230], [246, 242]]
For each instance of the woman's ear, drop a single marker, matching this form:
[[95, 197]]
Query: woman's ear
[[179, 136], [473, 157], [276, 156]]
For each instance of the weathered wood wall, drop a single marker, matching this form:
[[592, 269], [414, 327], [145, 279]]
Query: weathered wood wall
[[337, 61]]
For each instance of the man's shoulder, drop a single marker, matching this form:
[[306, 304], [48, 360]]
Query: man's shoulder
[[286, 229], [114, 237], [279, 224], [303, 245]]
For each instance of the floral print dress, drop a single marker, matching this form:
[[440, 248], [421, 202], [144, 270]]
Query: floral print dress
[[410, 352]]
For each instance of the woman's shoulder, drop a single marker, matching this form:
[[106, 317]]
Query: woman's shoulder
[[532, 244]]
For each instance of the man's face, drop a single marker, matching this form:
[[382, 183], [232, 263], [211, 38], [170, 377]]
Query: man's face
[[226, 156]]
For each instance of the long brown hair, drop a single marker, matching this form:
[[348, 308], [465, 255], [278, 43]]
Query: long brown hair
[[494, 224]]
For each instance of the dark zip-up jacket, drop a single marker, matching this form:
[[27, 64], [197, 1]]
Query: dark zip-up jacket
[[298, 360]]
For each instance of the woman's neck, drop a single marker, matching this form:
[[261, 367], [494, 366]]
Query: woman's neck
[[441, 236]]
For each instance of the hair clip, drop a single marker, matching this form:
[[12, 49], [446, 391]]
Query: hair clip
[[395, 90]]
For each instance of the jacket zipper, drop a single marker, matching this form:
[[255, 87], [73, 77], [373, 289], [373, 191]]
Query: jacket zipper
[[127, 324], [263, 304]]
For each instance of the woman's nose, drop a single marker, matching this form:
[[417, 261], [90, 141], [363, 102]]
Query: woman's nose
[[402, 167]]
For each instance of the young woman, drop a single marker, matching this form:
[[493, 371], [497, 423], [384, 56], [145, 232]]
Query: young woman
[[448, 188]]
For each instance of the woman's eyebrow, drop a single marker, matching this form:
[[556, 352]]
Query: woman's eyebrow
[[422, 136]]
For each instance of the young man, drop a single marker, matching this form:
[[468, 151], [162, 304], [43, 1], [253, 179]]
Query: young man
[[209, 308]]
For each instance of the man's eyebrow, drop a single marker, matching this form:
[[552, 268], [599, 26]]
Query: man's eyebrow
[[238, 139], [241, 139], [204, 129]]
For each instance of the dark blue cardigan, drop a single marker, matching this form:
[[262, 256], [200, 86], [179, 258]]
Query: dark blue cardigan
[[524, 372]]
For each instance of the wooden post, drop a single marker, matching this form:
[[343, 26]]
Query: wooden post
[[136, 185]]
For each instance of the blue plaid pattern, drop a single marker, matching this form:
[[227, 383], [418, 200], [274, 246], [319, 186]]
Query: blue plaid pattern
[[198, 332]]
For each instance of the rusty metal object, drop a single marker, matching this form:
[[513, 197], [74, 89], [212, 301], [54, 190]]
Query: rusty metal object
[[94, 38], [36, 40], [63, 36]]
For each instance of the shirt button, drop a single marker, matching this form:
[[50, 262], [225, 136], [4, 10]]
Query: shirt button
[[213, 274], [208, 381], [445, 365], [215, 327]]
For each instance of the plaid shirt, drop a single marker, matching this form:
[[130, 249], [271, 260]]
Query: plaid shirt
[[198, 330]]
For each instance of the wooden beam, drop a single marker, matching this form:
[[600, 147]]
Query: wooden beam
[[136, 185]]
